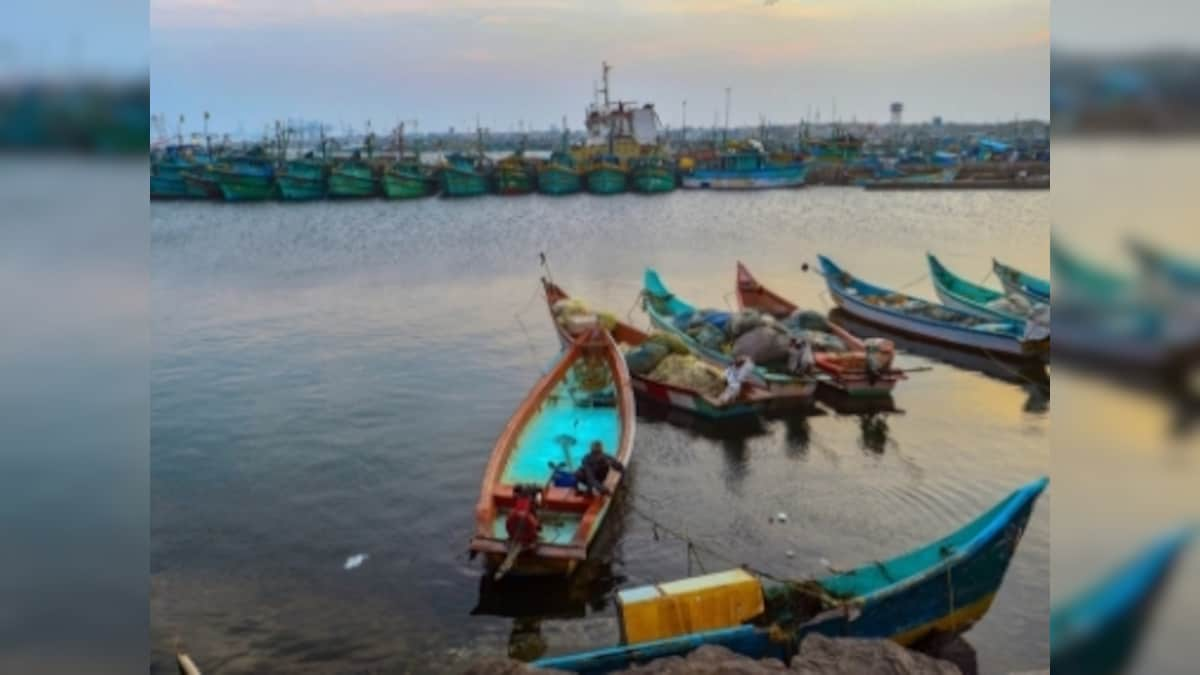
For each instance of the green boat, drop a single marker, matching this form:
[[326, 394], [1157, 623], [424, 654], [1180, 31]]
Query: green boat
[[514, 175], [303, 179], [202, 183], [607, 176], [407, 179], [353, 177], [560, 175], [465, 176], [248, 177], [655, 173], [967, 296]]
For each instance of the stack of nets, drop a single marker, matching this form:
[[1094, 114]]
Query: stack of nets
[[685, 370], [646, 357]]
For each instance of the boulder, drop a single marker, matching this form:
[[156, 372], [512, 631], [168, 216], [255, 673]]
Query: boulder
[[820, 655]]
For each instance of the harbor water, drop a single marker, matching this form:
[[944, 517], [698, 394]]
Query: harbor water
[[327, 381]]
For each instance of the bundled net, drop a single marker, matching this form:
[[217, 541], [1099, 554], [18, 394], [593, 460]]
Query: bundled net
[[685, 370]]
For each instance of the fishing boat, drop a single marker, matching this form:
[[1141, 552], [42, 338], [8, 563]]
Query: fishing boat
[[930, 321], [248, 177], [407, 179], [675, 395], [353, 177], [514, 175], [465, 176], [1097, 632], [1017, 282], [668, 313], [943, 588], [607, 176], [966, 296], [746, 168], [303, 179], [202, 183], [1163, 267], [529, 521], [168, 170], [559, 175], [857, 367], [651, 174]]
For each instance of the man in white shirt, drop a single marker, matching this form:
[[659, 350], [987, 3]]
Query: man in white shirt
[[735, 376]]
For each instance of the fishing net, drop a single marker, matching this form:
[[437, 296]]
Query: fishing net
[[707, 335], [743, 322], [763, 345], [685, 370], [643, 359], [806, 319], [671, 342]]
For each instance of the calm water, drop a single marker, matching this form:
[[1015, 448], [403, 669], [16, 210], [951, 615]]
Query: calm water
[[328, 379]]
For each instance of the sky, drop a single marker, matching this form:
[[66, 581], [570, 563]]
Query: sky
[[442, 62]]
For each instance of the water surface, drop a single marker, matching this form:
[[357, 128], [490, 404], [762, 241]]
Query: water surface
[[328, 379]]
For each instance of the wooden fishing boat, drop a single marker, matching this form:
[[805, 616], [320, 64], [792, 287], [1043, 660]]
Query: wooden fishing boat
[[465, 176], [966, 296], [607, 176], [652, 174], [748, 168], [560, 175], [303, 179], [664, 309], [1097, 633], [752, 400], [249, 177], [1161, 266], [407, 179], [1017, 282], [514, 175], [861, 370], [930, 321], [943, 588], [586, 396]]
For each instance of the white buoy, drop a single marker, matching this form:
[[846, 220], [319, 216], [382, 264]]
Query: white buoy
[[355, 560], [781, 517]]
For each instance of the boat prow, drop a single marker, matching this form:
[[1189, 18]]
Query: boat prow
[[1098, 631]]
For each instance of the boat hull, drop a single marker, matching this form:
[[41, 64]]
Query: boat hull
[[513, 182], [169, 187], [352, 186], [202, 186], [294, 188], [790, 177], [558, 181], [457, 183], [607, 181], [400, 186], [242, 188], [654, 180]]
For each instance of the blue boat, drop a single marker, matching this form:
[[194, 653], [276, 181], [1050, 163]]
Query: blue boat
[[1098, 632], [746, 169], [943, 588], [167, 179]]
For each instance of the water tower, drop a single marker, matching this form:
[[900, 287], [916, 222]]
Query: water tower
[[897, 113]]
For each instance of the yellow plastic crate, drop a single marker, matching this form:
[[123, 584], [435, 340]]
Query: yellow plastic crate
[[689, 605]]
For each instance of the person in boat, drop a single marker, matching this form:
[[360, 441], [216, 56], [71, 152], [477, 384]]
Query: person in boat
[[594, 469], [735, 377], [800, 356]]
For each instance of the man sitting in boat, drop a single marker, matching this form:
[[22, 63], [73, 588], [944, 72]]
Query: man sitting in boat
[[735, 376], [594, 469]]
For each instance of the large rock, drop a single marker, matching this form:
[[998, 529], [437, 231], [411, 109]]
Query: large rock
[[710, 660], [503, 666], [820, 655]]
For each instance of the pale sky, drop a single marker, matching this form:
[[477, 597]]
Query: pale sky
[[443, 61]]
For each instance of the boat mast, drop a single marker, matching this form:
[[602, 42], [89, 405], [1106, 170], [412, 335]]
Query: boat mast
[[564, 135], [179, 131], [207, 138], [725, 136], [683, 127]]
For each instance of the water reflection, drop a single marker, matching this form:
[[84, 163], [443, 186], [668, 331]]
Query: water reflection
[[874, 428]]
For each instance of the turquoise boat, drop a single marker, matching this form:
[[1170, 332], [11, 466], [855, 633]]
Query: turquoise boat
[[607, 177], [202, 183], [1179, 273], [1034, 289], [167, 172], [303, 179], [353, 178], [668, 313], [943, 588], [747, 169], [465, 176], [585, 397], [966, 296], [249, 177], [559, 175], [408, 179], [652, 174], [1097, 632]]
